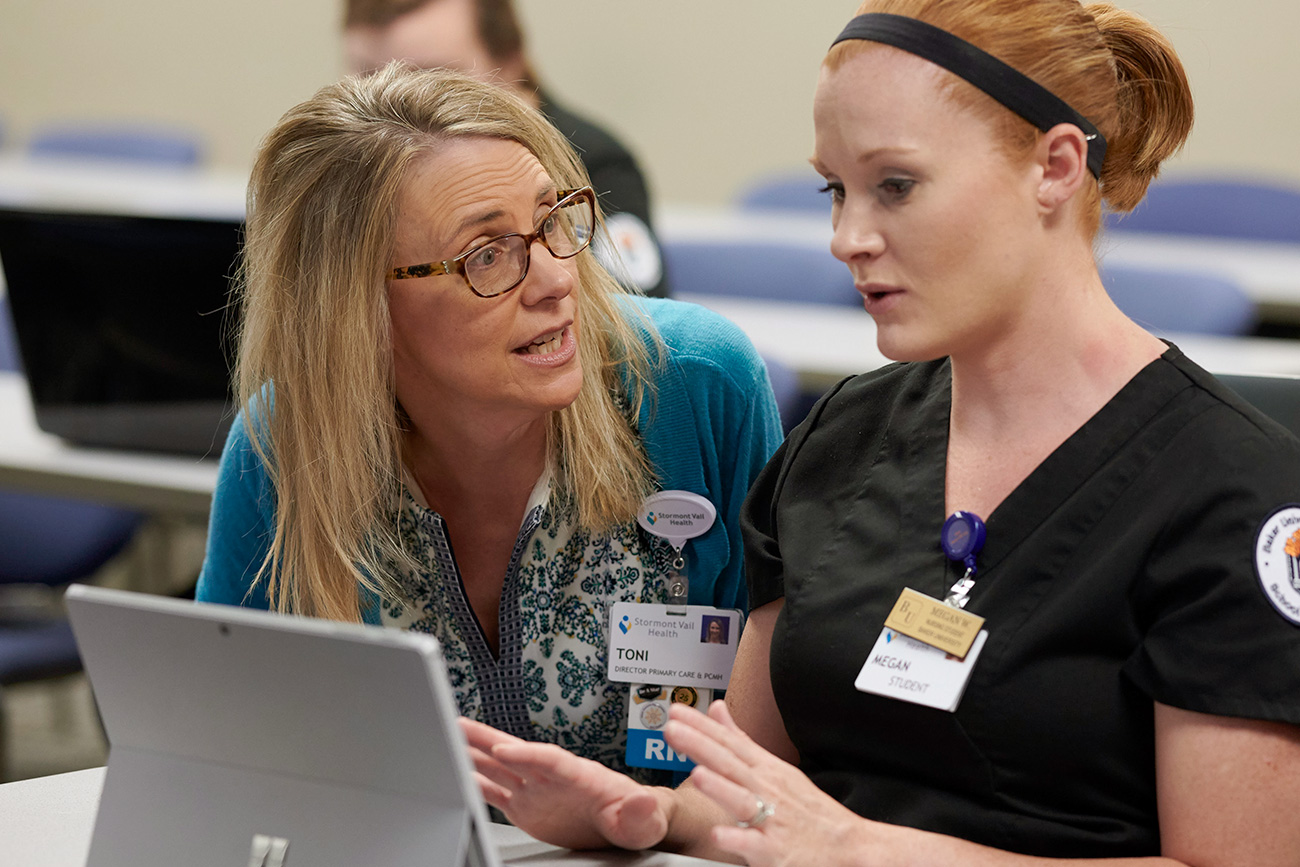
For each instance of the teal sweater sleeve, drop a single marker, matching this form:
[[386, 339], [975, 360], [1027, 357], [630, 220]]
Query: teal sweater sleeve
[[709, 426], [240, 526]]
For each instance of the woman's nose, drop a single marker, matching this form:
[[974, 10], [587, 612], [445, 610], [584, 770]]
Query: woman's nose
[[856, 233], [548, 277]]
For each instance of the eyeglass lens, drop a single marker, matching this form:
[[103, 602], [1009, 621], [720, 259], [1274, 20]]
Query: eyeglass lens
[[500, 264]]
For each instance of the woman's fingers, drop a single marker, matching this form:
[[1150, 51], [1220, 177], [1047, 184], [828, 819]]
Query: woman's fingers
[[708, 752], [539, 762], [487, 766], [740, 801], [633, 822], [720, 746], [482, 736], [748, 844], [717, 725], [493, 794]]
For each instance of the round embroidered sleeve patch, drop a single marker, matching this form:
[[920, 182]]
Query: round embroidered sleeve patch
[[1277, 560], [634, 253]]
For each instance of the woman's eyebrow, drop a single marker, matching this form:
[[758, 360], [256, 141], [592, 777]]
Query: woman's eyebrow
[[546, 191]]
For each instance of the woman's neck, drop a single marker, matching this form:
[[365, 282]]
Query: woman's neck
[[1015, 401], [477, 474]]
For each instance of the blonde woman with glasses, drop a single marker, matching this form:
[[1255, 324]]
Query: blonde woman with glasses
[[452, 414]]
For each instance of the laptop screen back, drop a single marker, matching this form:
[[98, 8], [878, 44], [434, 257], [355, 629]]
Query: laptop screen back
[[124, 324], [229, 727]]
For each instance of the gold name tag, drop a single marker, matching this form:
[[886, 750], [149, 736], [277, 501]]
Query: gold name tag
[[930, 621]]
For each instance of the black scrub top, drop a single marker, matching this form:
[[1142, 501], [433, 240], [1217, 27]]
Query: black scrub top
[[1121, 571]]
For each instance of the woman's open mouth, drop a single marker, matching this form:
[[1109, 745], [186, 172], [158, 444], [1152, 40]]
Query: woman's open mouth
[[544, 345]]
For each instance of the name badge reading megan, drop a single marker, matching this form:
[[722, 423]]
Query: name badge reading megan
[[903, 668]]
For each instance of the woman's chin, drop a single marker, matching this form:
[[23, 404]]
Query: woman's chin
[[564, 390]]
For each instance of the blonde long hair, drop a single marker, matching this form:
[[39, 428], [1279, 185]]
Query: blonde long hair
[[1110, 65], [315, 365]]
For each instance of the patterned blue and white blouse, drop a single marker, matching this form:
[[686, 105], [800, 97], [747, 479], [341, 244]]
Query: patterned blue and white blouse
[[548, 683]]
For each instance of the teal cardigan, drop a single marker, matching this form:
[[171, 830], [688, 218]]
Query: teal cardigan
[[709, 425]]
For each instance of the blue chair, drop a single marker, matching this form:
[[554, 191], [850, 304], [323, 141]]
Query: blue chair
[[787, 191], [155, 146], [1186, 301], [46, 543], [1229, 208], [8, 342], [790, 399], [765, 269]]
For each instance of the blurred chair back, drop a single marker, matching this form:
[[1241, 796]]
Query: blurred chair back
[[762, 269], [1224, 207], [1180, 301], [8, 342], [1277, 396], [796, 190], [789, 396], [157, 146]]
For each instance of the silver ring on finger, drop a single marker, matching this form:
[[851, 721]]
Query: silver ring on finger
[[762, 813]]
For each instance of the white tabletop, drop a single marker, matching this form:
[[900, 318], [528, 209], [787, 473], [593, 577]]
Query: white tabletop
[[102, 186], [47, 822], [824, 343], [1267, 271], [35, 461]]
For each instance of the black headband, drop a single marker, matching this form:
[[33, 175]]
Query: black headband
[[1006, 84]]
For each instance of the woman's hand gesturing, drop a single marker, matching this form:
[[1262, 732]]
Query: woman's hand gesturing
[[561, 798], [780, 816]]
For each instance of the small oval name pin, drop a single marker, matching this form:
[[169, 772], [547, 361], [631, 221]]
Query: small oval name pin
[[676, 516]]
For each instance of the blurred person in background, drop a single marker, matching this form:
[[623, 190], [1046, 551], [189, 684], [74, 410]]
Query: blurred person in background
[[484, 38]]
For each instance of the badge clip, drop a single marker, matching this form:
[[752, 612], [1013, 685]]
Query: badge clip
[[679, 585], [962, 538], [676, 517]]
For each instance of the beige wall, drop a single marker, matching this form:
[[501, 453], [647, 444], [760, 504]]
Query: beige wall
[[708, 92]]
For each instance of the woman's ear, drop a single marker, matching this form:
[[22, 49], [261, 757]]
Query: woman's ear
[[1062, 155]]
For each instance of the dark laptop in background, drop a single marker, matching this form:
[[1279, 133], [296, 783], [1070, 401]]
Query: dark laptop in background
[[123, 315]]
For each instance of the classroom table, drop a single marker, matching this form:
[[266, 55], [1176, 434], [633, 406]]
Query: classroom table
[[37, 462], [824, 343], [47, 822], [1267, 271], [103, 186]]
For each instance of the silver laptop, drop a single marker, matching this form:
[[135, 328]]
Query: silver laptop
[[239, 737]]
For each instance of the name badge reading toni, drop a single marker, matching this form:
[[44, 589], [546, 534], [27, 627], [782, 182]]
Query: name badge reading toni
[[931, 622], [647, 643]]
